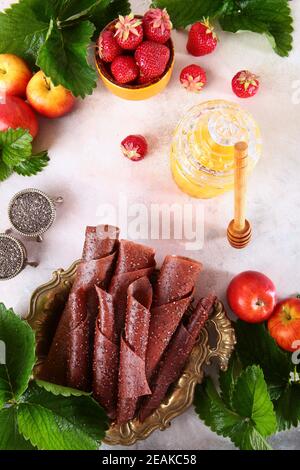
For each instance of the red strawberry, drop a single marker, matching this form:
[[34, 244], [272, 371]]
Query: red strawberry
[[245, 84], [157, 25], [129, 32], [134, 147], [144, 80], [152, 59], [193, 78], [109, 49], [124, 69], [202, 39]]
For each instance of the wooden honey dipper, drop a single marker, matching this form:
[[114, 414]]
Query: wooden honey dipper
[[239, 230]]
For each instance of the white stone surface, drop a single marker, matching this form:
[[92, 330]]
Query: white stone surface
[[87, 169]]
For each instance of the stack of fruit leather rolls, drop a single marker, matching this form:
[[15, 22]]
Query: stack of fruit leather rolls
[[173, 361], [134, 261], [173, 294], [70, 356], [133, 382]]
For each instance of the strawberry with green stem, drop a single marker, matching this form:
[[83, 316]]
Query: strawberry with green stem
[[245, 84], [134, 147], [202, 39], [193, 78], [157, 25], [129, 32]]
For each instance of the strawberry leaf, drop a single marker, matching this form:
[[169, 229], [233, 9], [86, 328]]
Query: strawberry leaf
[[71, 70], [15, 145], [288, 407], [33, 164], [60, 389], [107, 11], [5, 171], [55, 422], [253, 417], [24, 27], [188, 12], [270, 17], [10, 437], [256, 346], [19, 343]]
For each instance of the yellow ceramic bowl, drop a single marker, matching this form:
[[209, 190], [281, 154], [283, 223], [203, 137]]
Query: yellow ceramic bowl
[[134, 92]]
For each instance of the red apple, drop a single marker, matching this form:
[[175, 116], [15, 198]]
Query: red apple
[[49, 100], [284, 324], [15, 113], [251, 296], [14, 75]]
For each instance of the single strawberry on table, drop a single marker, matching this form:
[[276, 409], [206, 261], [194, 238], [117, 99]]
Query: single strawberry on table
[[108, 47], [152, 59], [202, 39], [129, 32], [245, 84], [193, 78], [134, 147], [124, 69], [157, 25]]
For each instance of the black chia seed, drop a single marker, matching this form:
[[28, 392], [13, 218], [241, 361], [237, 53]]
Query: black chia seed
[[11, 258], [31, 213]]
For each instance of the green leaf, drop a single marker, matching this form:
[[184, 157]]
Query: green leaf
[[212, 410], [270, 17], [15, 146], [250, 399], [228, 379], [10, 437], [70, 46], [250, 418], [188, 12], [256, 346], [61, 390], [53, 422], [24, 26], [72, 10], [5, 171], [107, 11], [33, 165], [288, 407], [18, 339]]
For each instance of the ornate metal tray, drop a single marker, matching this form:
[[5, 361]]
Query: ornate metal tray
[[46, 305]]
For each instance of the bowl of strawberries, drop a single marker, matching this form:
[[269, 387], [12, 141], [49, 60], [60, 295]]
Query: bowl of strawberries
[[135, 54]]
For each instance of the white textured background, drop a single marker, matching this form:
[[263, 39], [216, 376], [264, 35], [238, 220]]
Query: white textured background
[[87, 169]]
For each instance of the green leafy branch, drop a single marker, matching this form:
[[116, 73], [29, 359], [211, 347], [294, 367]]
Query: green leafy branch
[[269, 17], [259, 393], [55, 35], [16, 154], [37, 414]]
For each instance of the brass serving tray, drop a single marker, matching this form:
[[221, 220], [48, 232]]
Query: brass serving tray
[[46, 305]]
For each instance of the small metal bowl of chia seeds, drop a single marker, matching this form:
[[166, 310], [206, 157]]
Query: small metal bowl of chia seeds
[[31, 212], [12, 256]]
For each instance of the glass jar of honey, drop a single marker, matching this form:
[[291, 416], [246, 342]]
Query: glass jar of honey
[[202, 153]]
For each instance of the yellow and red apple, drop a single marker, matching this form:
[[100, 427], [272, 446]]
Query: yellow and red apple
[[14, 75], [15, 113], [46, 98]]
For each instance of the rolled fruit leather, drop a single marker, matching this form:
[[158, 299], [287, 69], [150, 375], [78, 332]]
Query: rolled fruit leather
[[176, 355], [134, 261], [133, 382], [70, 356], [173, 294]]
